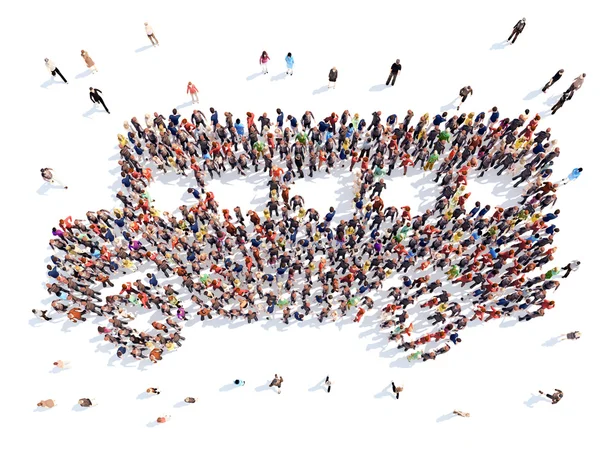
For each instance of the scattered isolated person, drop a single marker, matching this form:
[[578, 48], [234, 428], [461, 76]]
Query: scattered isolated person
[[573, 266], [153, 390], [555, 397], [263, 60], [54, 70], [572, 176], [517, 30], [96, 98], [289, 61], [87, 402], [328, 383], [62, 364], [89, 62], [397, 389], [49, 177], [277, 383], [333, 74], [150, 34], [464, 93], [572, 336], [193, 91], [560, 103], [190, 399], [557, 76], [47, 403], [461, 414], [239, 382], [163, 418], [41, 313], [575, 85], [396, 67]]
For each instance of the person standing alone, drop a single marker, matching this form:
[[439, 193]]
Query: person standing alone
[[333, 74], [289, 61], [95, 98], [517, 30], [396, 67], [557, 76], [54, 70], [89, 62], [150, 34], [464, 93], [263, 60], [193, 91]]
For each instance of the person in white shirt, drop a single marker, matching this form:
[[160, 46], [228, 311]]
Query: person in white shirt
[[150, 33], [54, 70]]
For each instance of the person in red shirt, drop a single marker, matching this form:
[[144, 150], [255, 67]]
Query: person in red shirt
[[193, 91]]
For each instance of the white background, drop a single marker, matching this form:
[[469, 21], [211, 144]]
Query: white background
[[442, 46]]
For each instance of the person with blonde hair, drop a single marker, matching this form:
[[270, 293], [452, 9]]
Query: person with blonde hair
[[150, 34], [89, 62]]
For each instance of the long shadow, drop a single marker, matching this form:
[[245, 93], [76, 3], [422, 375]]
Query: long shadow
[[386, 392], [378, 87], [551, 342], [184, 105], [499, 45], [228, 387], [253, 76], [83, 74], [532, 94], [46, 84], [533, 400], [445, 417], [143, 48], [320, 90], [278, 77], [94, 109]]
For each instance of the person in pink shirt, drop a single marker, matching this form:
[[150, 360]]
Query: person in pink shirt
[[193, 91], [264, 58]]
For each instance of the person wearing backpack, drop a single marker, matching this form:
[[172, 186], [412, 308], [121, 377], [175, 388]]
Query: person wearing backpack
[[517, 30]]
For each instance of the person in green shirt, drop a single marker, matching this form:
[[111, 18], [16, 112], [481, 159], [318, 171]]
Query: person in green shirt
[[432, 160]]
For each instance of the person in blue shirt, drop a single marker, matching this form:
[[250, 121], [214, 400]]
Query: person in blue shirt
[[329, 215], [289, 61], [195, 193], [495, 115], [52, 272], [293, 122], [391, 120], [551, 216], [153, 281], [437, 120], [175, 117], [572, 176], [214, 117], [279, 119], [239, 128]]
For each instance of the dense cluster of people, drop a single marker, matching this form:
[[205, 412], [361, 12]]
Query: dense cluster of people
[[291, 262]]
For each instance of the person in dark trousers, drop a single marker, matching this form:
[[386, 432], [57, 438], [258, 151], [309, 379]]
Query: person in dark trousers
[[571, 267], [396, 390], [333, 74], [396, 67], [95, 98], [557, 76], [572, 336], [561, 101], [277, 383], [328, 383], [575, 85], [41, 314], [555, 397], [517, 30], [54, 70], [464, 93]]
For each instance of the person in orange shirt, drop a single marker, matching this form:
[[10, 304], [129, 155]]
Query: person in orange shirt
[[193, 91]]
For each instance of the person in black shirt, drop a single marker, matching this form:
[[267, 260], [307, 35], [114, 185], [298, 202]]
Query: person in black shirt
[[556, 397], [517, 30], [396, 67], [464, 93], [557, 76], [95, 98]]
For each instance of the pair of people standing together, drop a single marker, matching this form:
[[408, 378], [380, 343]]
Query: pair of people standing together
[[264, 59]]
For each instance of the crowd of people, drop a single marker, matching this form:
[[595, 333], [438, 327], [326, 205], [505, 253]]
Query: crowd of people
[[292, 263]]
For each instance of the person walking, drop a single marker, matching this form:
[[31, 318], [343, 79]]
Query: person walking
[[557, 76], [47, 403], [150, 34], [572, 336], [95, 98], [396, 67], [190, 399], [333, 74], [54, 70], [41, 313], [239, 382], [575, 85], [263, 60], [573, 266], [572, 176], [397, 389], [62, 364], [464, 93], [561, 101], [89, 62], [153, 390], [461, 414], [277, 383], [517, 30], [163, 418], [193, 91], [289, 61], [328, 383], [48, 177], [555, 397], [87, 402]]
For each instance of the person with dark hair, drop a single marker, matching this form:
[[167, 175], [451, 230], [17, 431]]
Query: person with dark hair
[[464, 93], [190, 399], [289, 61], [328, 383], [572, 176], [557, 76], [49, 177], [87, 402], [575, 85], [277, 383], [54, 70], [96, 98], [517, 30], [333, 74], [239, 382], [572, 336], [555, 397], [263, 60], [394, 69], [560, 103], [41, 314]]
